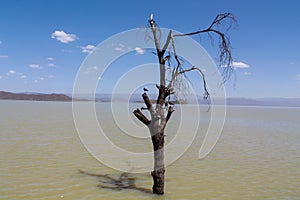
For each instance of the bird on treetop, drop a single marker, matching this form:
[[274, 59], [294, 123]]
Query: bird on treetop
[[151, 16]]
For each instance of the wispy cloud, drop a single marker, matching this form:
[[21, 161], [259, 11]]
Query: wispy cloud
[[11, 72], [0, 42], [64, 37], [139, 50], [50, 58], [247, 73], [121, 47], [51, 76], [88, 48], [34, 66], [14, 73], [51, 65], [3, 56], [299, 76], [39, 80], [240, 65]]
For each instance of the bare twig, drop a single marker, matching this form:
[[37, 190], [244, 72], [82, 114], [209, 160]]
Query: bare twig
[[206, 93], [225, 56]]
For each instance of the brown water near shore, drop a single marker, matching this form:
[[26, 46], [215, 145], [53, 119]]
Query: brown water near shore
[[257, 157]]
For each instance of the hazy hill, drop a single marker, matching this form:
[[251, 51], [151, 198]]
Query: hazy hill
[[136, 98], [34, 96]]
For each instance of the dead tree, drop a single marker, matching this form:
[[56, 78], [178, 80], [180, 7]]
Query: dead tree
[[161, 112]]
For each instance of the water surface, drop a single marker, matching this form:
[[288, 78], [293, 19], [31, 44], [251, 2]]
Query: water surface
[[257, 156]]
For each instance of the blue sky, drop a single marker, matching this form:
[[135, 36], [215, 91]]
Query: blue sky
[[43, 43]]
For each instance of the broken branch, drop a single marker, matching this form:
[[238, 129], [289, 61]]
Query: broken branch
[[141, 117]]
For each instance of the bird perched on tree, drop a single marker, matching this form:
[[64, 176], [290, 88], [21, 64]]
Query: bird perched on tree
[[145, 89], [151, 16], [171, 103]]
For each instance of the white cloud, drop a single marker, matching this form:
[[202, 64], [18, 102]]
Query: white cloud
[[51, 65], [88, 48], [240, 65], [299, 76], [23, 76], [120, 47], [50, 58], [3, 56], [51, 76], [64, 37], [36, 81], [139, 50], [11, 72], [35, 66], [247, 73], [42, 78]]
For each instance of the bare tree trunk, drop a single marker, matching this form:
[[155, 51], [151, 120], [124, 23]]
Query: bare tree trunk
[[159, 117], [158, 174], [156, 127]]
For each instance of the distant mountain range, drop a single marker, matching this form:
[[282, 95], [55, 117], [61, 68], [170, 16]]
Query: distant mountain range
[[284, 102], [136, 98], [278, 102], [34, 96]]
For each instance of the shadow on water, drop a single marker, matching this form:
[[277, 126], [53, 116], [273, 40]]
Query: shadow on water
[[121, 182]]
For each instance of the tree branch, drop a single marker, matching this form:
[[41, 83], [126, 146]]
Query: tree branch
[[165, 120], [148, 103], [141, 117], [225, 56], [159, 52], [167, 42], [206, 93], [161, 95], [175, 70], [170, 111], [153, 28]]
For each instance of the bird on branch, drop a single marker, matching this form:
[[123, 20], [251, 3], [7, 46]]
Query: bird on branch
[[145, 89], [151, 16], [171, 103]]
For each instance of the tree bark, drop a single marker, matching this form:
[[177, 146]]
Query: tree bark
[[158, 174]]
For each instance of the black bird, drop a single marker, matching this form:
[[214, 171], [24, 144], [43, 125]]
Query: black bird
[[171, 103], [145, 89]]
